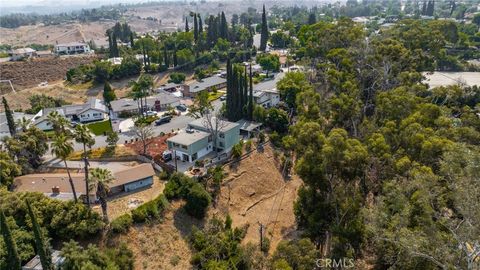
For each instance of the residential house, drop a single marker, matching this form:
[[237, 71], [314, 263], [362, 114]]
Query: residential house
[[93, 110], [197, 140], [57, 185], [22, 53], [35, 263], [206, 84], [266, 94], [72, 48], [158, 102], [4, 130]]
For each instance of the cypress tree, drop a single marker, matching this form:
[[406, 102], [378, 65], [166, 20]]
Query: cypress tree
[[195, 28], [13, 260], [187, 29], [245, 94], [132, 43], [10, 121], [312, 19], [264, 32], [424, 8], [114, 45], [108, 94], [40, 243], [110, 44], [200, 24], [250, 101], [175, 55], [165, 56], [229, 90], [223, 27]]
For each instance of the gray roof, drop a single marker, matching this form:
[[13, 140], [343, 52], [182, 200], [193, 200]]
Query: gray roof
[[35, 264], [67, 110], [169, 85], [128, 104], [202, 123], [70, 44], [206, 83], [270, 84], [248, 125], [16, 116], [186, 138]]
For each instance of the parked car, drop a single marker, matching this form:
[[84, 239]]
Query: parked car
[[163, 120], [150, 113], [182, 108], [224, 97]]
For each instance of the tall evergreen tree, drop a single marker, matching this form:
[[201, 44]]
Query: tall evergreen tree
[[195, 27], [424, 8], [223, 27], [165, 56], [110, 44], [174, 55], [264, 32], [312, 19], [10, 121], [200, 24], [13, 260], [114, 45], [250, 96], [132, 42], [187, 29], [41, 244]]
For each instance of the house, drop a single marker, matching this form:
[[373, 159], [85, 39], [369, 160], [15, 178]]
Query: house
[[206, 84], [57, 185], [72, 48], [197, 140], [93, 110], [158, 102], [22, 53], [35, 264], [248, 129], [266, 94], [4, 131], [44, 54]]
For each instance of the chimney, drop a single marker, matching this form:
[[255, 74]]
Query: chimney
[[56, 190]]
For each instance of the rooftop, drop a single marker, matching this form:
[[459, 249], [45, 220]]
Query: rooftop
[[186, 138], [202, 123], [43, 182], [16, 116], [127, 104], [35, 264], [248, 125], [198, 86], [23, 50], [270, 84], [71, 44]]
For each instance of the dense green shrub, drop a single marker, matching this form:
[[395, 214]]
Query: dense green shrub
[[198, 201], [178, 186], [122, 223], [177, 77], [153, 209]]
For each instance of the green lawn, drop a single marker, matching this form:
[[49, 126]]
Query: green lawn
[[98, 128], [213, 96]]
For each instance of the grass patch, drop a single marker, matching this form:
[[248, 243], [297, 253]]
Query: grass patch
[[80, 86], [104, 152], [214, 95], [99, 128]]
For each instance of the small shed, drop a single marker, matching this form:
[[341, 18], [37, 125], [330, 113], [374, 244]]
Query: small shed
[[248, 128], [35, 264]]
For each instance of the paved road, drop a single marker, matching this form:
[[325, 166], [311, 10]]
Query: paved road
[[178, 122]]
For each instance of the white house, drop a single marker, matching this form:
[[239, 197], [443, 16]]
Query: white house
[[72, 48], [267, 98], [21, 53], [159, 102], [92, 110]]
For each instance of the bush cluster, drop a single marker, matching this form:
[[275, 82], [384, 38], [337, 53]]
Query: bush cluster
[[153, 209]]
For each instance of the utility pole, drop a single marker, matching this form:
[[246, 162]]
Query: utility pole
[[261, 236], [175, 157]]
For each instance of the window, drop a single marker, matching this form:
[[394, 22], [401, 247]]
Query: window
[[184, 147], [221, 135], [220, 144], [194, 156]]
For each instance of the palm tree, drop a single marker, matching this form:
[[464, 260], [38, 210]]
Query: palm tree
[[84, 136], [24, 123], [140, 89], [62, 148], [99, 180], [59, 123]]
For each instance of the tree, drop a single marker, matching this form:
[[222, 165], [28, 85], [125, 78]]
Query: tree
[[297, 254], [312, 19], [10, 169], [195, 28], [177, 77], [144, 132], [132, 42], [476, 19], [58, 122], [62, 147], [13, 260], [84, 136], [264, 32], [112, 139], [269, 62], [41, 244], [198, 201], [251, 104], [201, 105], [9, 115], [200, 24], [214, 124], [28, 148], [140, 91], [108, 94], [100, 180], [223, 27], [187, 29]]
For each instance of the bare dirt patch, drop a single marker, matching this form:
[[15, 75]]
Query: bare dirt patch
[[162, 245], [255, 192]]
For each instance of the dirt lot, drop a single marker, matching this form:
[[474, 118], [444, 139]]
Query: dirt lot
[[24, 74], [156, 145], [254, 192], [162, 245]]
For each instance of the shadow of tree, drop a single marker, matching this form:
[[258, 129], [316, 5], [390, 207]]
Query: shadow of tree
[[185, 223]]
